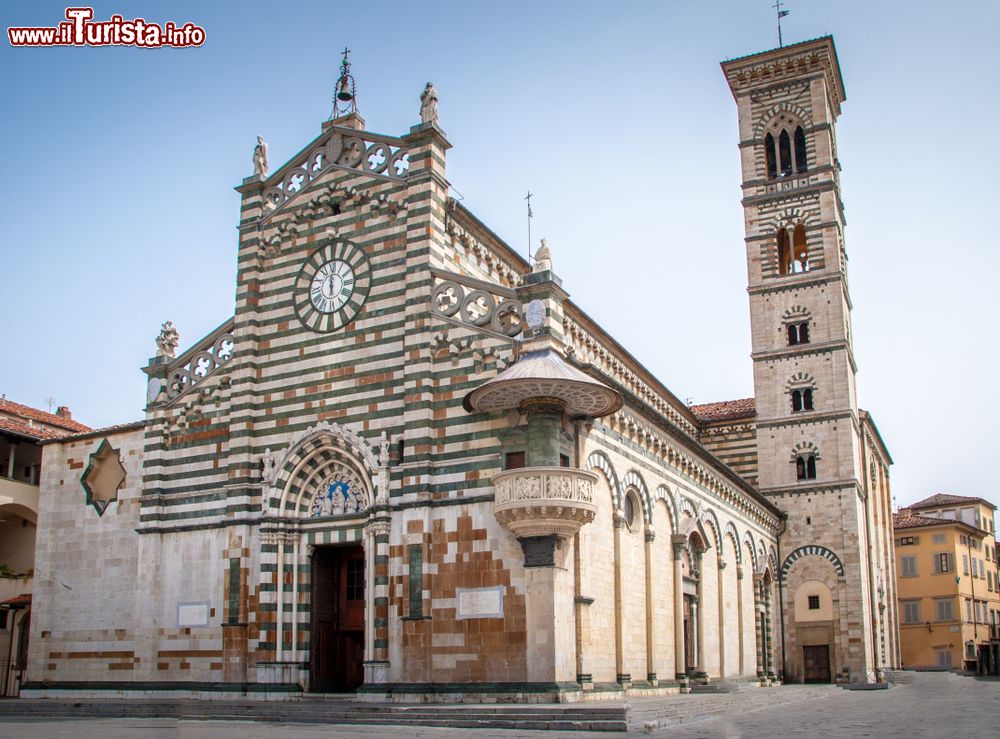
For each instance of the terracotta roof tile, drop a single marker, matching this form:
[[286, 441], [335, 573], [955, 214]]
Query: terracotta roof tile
[[21, 428], [905, 520], [939, 499], [50, 419], [725, 410], [117, 428], [18, 601]]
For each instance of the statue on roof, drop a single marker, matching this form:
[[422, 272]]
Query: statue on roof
[[168, 340], [429, 104], [543, 258], [260, 158]]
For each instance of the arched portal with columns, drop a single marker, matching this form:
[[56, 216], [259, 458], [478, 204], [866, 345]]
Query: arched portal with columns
[[323, 539]]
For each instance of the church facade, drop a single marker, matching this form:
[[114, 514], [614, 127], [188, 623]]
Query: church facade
[[410, 466]]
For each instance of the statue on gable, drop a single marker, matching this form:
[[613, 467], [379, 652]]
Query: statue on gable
[[260, 158], [168, 340], [429, 104]]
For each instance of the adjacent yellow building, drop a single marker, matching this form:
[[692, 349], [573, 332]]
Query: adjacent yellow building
[[948, 586]]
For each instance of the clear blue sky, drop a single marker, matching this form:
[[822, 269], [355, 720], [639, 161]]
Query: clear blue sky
[[118, 210]]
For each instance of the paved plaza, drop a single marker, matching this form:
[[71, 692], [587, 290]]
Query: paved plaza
[[932, 705]]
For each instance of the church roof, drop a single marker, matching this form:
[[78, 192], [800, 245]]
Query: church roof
[[940, 499], [725, 410]]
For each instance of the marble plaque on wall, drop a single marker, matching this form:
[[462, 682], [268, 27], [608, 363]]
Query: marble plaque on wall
[[479, 602], [192, 614]]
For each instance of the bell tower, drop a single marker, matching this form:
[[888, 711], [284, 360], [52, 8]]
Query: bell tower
[[809, 429]]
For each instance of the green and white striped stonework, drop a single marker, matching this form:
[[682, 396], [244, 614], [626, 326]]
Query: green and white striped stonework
[[200, 524]]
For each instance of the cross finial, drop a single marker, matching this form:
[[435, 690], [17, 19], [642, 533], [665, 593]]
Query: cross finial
[[530, 215], [781, 14]]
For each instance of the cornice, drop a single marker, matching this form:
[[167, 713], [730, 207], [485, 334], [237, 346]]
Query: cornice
[[800, 350], [804, 418]]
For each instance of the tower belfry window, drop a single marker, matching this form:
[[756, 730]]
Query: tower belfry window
[[800, 249], [785, 153], [784, 252], [800, 149], [798, 333], [802, 400], [805, 467], [769, 159]]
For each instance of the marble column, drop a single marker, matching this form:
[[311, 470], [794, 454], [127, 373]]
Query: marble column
[[699, 620], [722, 617], [678, 545], [739, 617], [376, 656], [758, 611], [651, 671]]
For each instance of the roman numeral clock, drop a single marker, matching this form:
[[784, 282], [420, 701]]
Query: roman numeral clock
[[332, 286]]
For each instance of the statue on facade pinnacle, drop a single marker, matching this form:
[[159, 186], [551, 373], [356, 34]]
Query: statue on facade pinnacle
[[260, 158], [543, 258], [429, 104], [168, 340]]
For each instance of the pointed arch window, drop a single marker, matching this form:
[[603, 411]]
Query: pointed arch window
[[785, 153], [800, 149], [800, 250], [769, 158], [784, 252]]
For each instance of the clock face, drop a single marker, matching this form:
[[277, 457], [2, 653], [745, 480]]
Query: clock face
[[332, 286]]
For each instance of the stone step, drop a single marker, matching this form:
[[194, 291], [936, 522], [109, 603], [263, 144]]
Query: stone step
[[573, 718]]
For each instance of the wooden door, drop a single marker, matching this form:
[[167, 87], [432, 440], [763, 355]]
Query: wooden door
[[816, 663], [338, 619]]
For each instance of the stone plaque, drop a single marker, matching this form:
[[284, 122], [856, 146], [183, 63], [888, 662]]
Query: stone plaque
[[479, 602], [534, 314], [192, 614]]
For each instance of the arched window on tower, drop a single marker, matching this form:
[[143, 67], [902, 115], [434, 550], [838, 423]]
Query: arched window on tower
[[800, 255], [769, 158], [784, 252], [800, 149], [785, 153], [805, 467], [802, 400], [798, 333]]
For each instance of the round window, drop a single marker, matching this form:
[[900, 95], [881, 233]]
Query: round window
[[630, 510]]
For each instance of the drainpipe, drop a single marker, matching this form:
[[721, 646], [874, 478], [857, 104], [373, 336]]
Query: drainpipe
[[975, 610]]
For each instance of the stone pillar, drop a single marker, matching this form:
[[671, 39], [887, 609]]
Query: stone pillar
[[722, 617], [651, 667], [767, 596], [376, 657], [549, 599], [698, 615], [544, 428], [624, 679], [739, 617], [758, 611], [678, 544]]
